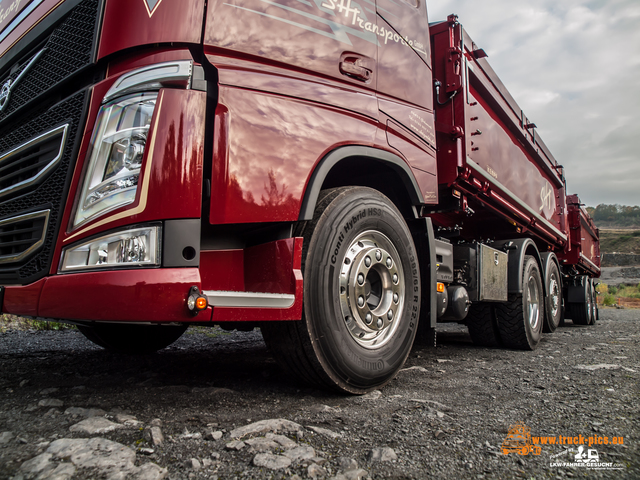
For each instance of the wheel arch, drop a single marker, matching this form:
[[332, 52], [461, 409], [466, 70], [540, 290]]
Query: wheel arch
[[547, 259], [517, 249], [340, 168]]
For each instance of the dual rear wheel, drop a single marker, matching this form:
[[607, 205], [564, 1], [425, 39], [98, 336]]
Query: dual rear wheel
[[517, 323]]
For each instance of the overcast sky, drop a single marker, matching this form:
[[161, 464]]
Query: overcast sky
[[573, 66]]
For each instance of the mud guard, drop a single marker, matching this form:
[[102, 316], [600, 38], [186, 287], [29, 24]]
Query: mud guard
[[424, 238], [517, 249]]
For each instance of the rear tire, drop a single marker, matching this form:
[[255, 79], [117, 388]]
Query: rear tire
[[483, 329], [582, 313], [553, 300], [361, 295], [520, 320], [132, 339], [594, 304]]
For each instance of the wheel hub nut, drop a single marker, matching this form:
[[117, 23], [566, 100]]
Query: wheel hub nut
[[361, 301], [368, 318], [367, 261], [378, 255], [390, 314], [380, 323], [389, 262], [360, 279]]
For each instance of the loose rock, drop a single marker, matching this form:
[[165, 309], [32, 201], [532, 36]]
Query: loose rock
[[271, 461], [95, 426], [264, 426], [154, 436], [384, 454], [50, 402], [300, 453], [325, 432]]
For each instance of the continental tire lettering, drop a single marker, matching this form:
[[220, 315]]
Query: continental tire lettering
[[336, 250], [372, 366], [355, 219]]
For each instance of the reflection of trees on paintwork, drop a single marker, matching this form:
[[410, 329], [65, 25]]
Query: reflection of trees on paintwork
[[274, 202], [275, 197]]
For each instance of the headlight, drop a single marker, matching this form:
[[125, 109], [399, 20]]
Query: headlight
[[137, 247], [115, 159]]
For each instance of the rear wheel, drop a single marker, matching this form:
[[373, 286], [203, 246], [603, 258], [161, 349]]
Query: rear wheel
[[553, 300], [594, 304], [361, 295], [520, 319], [482, 325], [582, 313], [132, 339]]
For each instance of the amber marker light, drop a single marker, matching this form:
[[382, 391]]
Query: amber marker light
[[440, 287], [201, 303], [196, 301]]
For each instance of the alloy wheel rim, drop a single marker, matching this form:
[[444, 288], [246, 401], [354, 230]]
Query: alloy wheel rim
[[372, 289]]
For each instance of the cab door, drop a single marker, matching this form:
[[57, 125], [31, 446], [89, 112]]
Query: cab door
[[405, 96]]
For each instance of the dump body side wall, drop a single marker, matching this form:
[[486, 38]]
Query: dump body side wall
[[488, 150], [584, 235]]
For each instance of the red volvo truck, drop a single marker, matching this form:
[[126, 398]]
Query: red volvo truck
[[336, 172]]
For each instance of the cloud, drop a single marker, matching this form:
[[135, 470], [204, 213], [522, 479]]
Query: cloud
[[573, 67]]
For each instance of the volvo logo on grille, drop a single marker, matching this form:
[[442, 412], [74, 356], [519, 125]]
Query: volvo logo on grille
[[5, 93]]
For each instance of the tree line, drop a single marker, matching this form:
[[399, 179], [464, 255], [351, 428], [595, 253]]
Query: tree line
[[615, 215]]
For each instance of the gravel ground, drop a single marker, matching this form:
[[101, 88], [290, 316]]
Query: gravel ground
[[70, 410], [620, 275]]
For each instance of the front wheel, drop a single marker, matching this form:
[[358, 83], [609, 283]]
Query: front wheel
[[132, 339], [361, 295]]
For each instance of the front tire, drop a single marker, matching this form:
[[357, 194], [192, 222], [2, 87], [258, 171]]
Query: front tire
[[520, 319], [361, 295], [132, 339]]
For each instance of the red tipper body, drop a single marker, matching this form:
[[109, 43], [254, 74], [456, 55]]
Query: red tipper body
[[584, 235], [489, 156]]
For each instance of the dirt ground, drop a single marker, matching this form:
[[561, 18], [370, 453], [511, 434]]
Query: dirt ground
[[215, 405]]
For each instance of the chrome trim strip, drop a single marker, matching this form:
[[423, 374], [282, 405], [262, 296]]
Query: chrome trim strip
[[35, 246], [45, 136], [16, 21], [219, 298], [520, 203], [589, 261], [152, 77]]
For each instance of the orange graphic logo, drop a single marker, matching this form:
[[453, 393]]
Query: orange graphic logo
[[519, 441]]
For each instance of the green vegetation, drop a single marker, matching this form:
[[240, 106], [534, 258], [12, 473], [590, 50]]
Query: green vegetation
[[611, 294], [620, 241], [611, 216], [13, 322], [211, 332]]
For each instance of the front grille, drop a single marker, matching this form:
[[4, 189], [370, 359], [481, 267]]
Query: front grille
[[21, 236], [42, 118], [27, 165], [49, 193], [68, 50]]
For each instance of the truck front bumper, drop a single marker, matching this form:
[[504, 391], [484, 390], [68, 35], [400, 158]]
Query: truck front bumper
[[268, 287]]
